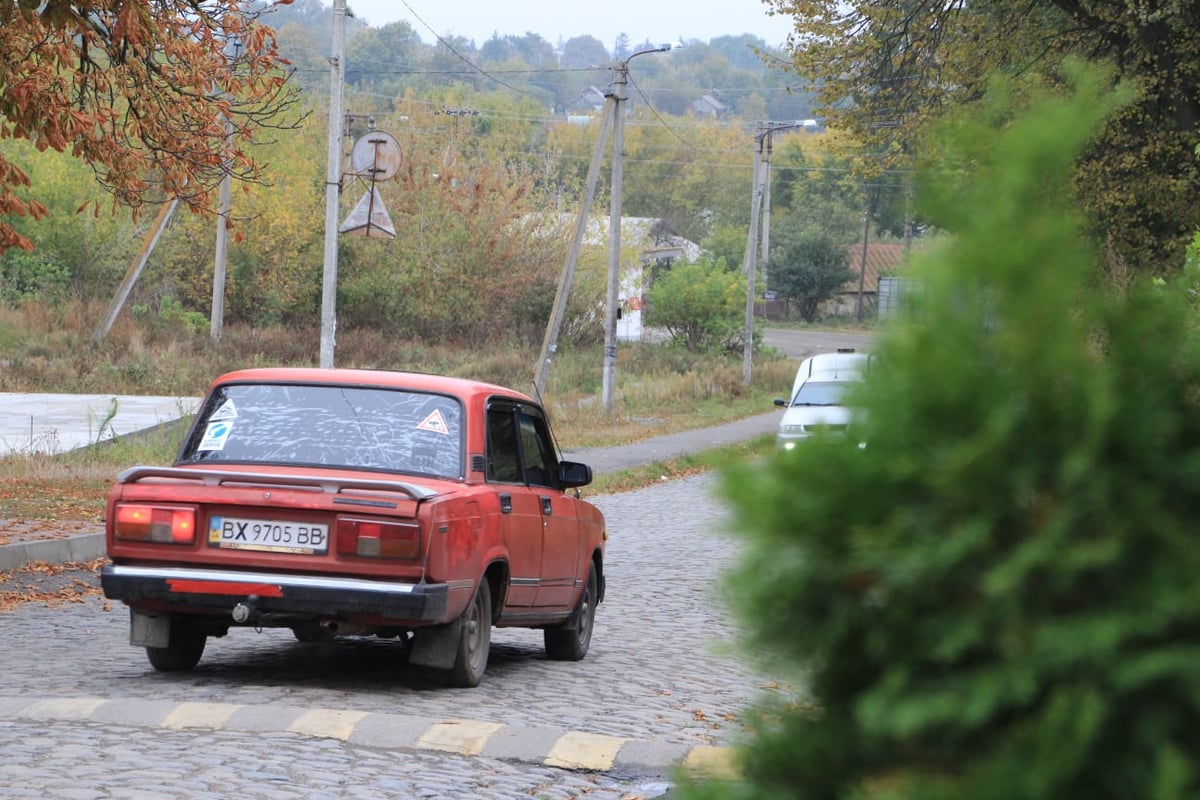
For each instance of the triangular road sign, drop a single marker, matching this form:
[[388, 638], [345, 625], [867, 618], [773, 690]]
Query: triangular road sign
[[369, 218]]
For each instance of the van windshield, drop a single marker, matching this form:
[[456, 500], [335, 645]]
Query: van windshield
[[821, 393]]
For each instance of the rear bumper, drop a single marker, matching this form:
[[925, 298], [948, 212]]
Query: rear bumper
[[215, 591]]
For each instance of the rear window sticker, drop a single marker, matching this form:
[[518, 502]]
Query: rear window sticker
[[215, 436], [435, 423], [227, 411]]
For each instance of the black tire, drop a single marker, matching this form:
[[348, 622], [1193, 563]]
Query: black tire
[[183, 651], [311, 633], [570, 640], [474, 640]]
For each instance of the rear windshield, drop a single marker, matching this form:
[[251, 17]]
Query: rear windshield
[[369, 428]]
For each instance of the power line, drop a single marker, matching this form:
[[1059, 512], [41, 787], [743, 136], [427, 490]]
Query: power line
[[459, 55], [658, 116]]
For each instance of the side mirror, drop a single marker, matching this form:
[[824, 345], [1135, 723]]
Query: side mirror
[[780, 402], [572, 474]]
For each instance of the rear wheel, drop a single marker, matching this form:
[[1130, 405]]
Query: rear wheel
[[474, 640], [183, 650], [311, 633], [570, 640]]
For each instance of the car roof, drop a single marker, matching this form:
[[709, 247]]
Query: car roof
[[418, 381], [841, 365]]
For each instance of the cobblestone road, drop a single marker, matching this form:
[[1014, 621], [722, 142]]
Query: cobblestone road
[[662, 668]]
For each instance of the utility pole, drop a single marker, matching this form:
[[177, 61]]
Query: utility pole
[[749, 263], [217, 311], [550, 340], [760, 196], [135, 269], [217, 318], [862, 265], [617, 96], [766, 219], [333, 186], [608, 376]]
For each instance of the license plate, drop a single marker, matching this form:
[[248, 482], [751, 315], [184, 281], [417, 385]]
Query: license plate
[[275, 536]]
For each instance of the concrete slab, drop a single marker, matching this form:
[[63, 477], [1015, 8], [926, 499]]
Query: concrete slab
[[56, 423]]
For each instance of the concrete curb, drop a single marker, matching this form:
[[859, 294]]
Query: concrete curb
[[84, 547], [574, 751]]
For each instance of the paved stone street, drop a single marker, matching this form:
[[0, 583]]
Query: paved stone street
[[663, 673]]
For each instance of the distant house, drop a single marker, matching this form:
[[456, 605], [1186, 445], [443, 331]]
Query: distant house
[[646, 242], [710, 105], [589, 101], [881, 259]]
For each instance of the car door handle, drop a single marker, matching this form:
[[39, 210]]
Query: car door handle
[[505, 503], [547, 508]]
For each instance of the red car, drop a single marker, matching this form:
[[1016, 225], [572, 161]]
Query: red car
[[358, 502]]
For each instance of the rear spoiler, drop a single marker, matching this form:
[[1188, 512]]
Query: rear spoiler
[[259, 479]]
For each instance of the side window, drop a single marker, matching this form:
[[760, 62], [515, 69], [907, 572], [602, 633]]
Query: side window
[[540, 462], [503, 459]]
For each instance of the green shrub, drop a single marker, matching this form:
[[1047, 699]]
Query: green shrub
[[996, 597], [171, 318], [808, 266], [701, 304], [28, 276]]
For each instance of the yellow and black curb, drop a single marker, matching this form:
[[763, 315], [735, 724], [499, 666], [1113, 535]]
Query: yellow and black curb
[[571, 750]]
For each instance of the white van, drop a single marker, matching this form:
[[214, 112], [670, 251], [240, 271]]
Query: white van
[[817, 396]]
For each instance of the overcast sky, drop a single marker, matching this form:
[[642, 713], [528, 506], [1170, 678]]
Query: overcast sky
[[641, 20]]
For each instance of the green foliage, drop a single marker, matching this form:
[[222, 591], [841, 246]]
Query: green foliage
[[887, 68], [814, 182], [170, 318], [701, 304], [32, 276], [995, 598], [808, 266], [726, 245]]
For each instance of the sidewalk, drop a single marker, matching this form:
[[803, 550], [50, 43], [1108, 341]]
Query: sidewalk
[[39, 540], [56, 423]]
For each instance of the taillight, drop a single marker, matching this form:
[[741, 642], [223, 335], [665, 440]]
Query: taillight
[[159, 524], [376, 539]]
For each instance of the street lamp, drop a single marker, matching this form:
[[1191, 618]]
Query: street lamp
[[761, 189], [620, 79]]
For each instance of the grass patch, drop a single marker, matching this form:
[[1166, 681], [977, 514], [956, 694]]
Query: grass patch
[[75, 484], [627, 480], [659, 389]]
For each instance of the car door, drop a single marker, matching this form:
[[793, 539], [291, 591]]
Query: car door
[[521, 518], [561, 548]]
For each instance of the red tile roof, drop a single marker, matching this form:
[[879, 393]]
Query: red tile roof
[[885, 259]]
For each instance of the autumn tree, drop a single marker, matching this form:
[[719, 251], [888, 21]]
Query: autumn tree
[[276, 255], [886, 68], [380, 57], [580, 52], [475, 257], [808, 266], [141, 91]]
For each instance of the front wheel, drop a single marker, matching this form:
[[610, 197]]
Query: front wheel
[[183, 651], [570, 640], [474, 640]]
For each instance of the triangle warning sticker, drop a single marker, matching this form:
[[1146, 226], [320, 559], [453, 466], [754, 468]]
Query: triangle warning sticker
[[227, 411], [435, 423]]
